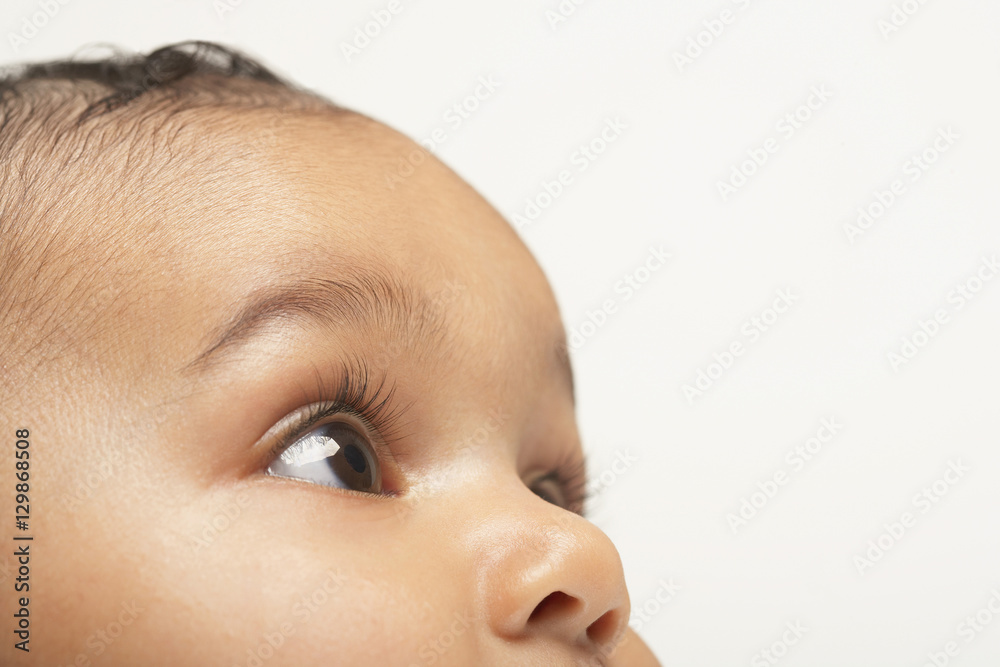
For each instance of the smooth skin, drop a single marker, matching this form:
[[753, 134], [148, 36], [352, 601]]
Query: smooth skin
[[159, 537]]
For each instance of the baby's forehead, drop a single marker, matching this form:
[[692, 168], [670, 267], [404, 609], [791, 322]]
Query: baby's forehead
[[417, 267], [173, 234]]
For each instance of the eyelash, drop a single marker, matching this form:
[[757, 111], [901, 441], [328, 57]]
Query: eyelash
[[354, 394], [570, 475], [371, 404]]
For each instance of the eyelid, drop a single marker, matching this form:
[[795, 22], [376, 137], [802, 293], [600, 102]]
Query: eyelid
[[305, 420], [368, 406], [316, 415], [372, 410], [570, 476]]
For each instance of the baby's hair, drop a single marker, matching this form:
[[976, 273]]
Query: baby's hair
[[81, 142], [128, 76]]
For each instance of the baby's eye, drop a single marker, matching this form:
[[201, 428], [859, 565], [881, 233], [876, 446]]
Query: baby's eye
[[564, 487], [333, 454], [548, 488]]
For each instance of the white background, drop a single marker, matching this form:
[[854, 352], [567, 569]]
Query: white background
[[856, 296]]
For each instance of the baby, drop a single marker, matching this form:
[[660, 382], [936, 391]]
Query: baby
[[267, 401]]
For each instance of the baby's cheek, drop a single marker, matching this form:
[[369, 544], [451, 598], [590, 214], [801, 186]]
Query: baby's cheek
[[287, 573], [256, 574]]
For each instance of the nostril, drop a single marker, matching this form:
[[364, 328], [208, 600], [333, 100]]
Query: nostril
[[604, 631], [555, 605]]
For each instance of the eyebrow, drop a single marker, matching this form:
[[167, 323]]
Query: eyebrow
[[367, 303], [362, 303]]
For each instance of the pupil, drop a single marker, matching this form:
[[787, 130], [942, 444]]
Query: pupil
[[355, 459]]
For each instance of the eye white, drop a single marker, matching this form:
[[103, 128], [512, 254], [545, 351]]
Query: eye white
[[310, 449], [335, 454]]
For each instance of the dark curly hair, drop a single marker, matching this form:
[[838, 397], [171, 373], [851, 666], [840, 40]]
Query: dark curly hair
[[80, 142], [124, 77]]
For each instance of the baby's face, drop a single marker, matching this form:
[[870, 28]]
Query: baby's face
[[334, 428]]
